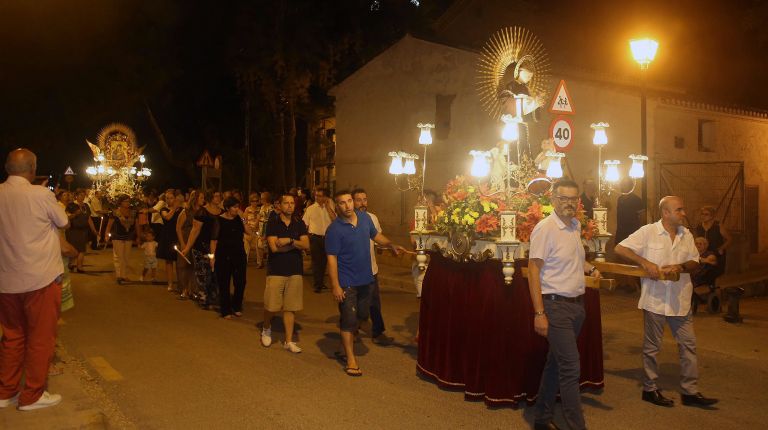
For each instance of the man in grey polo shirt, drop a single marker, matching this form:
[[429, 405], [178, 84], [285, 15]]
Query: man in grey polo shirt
[[556, 282]]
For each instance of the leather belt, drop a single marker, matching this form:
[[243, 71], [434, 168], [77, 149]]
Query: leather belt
[[316, 235], [558, 298]]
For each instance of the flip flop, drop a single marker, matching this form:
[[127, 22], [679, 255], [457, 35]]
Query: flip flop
[[353, 371]]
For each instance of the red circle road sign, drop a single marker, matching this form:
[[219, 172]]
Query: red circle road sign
[[561, 131]]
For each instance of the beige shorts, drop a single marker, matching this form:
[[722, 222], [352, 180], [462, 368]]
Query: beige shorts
[[284, 293]]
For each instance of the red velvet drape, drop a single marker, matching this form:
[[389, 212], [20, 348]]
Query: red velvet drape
[[476, 333]]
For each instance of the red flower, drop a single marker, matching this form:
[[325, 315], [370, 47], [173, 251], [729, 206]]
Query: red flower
[[487, 224]]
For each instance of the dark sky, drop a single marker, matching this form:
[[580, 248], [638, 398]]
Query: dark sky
[[68, 68]]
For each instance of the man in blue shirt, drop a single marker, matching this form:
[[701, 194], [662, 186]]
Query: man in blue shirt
[[347, 243]]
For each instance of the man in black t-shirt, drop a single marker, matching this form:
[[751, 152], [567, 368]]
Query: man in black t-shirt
[[286, 237]]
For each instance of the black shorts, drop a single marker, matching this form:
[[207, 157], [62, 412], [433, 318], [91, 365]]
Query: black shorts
[[356, 307]]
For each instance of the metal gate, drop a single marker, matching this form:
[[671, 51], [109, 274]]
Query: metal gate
[[718, 184]]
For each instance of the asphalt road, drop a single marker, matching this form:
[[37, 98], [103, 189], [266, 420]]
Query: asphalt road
[[165, 364]]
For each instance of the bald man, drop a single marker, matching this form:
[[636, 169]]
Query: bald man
[[667, 247], [30, 283]]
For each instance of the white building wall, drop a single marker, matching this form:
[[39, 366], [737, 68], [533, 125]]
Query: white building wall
[[378, 107]]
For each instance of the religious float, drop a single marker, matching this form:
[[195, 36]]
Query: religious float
[[476, 319], [119, 163]]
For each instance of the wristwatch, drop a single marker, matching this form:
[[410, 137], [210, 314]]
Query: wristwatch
[[592, 270]]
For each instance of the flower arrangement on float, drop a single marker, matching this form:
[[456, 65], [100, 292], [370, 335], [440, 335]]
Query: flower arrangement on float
[[470, 208]]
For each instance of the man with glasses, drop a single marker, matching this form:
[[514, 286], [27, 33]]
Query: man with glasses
[[667, 247], [556, 283]]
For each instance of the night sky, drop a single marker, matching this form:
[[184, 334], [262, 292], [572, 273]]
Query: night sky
[[68, 68]]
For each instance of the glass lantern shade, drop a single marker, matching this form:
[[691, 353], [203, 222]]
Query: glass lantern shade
[[637, 170], [643, 51], [510, 132], [555, 169], [425, 138], [612, 170], [410, 167], [481, 167], [396, 167]]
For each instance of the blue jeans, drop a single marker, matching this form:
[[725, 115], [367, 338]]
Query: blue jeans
[[563, 367]]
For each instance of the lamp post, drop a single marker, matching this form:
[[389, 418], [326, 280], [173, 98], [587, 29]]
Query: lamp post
[[643, 51]]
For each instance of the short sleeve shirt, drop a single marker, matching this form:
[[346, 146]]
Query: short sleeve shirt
[[652, 242], [285, 263], [559, 246], [351, 244]]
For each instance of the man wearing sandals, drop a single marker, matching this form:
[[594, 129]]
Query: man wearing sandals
[[347, 244]]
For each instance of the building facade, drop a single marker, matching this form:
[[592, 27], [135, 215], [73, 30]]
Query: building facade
[[415, 80]]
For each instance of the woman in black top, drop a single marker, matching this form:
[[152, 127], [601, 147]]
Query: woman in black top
[[123, 228], [229, 260], [168, 237], [199, 244]]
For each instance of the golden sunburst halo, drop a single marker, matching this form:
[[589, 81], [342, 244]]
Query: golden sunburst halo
[[518, 47]]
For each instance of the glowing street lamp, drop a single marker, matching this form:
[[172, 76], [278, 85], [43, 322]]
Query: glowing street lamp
[[396, 167], [643, 51]]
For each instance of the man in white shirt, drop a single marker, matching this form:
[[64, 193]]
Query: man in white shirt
[[667, 247], [556, 283], [360, 198], [318, 217], [30, 283]]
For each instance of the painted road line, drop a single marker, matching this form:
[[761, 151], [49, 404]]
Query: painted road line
[[105, 370]]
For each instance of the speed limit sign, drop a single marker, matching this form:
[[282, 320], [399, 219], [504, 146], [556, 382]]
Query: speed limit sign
[[561, 131]]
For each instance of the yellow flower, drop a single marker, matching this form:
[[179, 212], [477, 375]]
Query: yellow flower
[[456, 210], [486, 207], [494, 206], [547, 209], [470, 189], [474, 214], [455, 218], [468, 220]]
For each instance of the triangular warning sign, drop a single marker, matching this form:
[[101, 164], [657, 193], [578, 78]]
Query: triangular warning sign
[[69, 171], [205, 160], [562, 103]]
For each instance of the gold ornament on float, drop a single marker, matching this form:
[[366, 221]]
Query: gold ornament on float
[[513, 73]]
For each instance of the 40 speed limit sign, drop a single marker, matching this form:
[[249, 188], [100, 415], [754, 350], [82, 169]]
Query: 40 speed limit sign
[[561, 131]]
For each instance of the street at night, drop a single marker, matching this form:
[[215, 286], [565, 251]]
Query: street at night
[[383, 214], [173, 366]]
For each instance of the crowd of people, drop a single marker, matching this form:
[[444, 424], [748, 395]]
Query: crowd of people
[[206, 241]]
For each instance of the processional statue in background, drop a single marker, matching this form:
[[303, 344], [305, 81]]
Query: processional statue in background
[[119, 167]]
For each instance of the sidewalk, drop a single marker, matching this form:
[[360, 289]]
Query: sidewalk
[[78, 409]]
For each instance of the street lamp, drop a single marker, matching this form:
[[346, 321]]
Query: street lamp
[[643, 51]]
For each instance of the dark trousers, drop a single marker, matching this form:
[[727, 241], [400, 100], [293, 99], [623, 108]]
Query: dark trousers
[[563, 367], [319, 259], [377, 321], [206, 283], [230, 268]]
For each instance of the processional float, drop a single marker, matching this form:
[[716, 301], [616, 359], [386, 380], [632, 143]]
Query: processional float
[[492, 216]]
